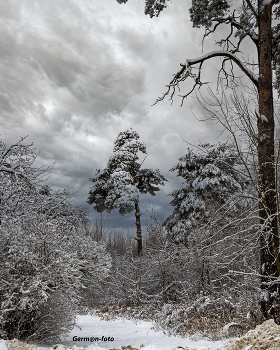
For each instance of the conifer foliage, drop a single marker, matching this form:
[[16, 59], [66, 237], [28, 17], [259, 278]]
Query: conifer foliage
[[119, 185], [210, 175]]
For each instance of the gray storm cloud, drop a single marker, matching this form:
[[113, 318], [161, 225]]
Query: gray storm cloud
[[73, 74]]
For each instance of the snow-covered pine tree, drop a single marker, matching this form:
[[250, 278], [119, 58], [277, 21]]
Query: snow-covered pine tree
[[210, 176], [119, 185]]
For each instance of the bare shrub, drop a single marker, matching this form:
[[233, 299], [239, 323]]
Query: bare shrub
[[187, 289]]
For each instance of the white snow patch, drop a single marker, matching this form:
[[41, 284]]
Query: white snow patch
[[3, 345], [127, 332], [265, 295], [254, 36], [92, 347], [264, 118], [248, 347], [227, 326], [263, 138]]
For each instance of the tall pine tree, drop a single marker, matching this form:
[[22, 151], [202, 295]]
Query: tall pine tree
[[119, 185]]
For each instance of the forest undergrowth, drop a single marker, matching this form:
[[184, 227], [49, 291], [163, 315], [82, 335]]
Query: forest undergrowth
[[206, 317], [183, 290], [187, 320]]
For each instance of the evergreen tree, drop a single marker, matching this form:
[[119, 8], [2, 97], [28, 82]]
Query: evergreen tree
[[252, 20], [210, 178], [119, 185]]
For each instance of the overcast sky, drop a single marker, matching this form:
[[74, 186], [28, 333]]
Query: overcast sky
[[74, 73]]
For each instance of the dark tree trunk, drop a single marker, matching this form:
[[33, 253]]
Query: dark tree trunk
[[138, 228], [269, 240]]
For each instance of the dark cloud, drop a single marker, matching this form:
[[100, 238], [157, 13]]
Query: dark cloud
[[73, 74]]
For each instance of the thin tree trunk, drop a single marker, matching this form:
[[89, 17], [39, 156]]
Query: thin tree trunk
[[269, 240], [138, 228]]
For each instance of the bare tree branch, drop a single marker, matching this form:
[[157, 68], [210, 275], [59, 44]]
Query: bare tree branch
[[221, 53], [186, 72]]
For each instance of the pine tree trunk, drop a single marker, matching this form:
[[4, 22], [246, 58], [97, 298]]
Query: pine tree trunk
[[138, 228], [269, 239]]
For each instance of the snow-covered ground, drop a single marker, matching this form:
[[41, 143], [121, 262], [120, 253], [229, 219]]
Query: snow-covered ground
[[126, 332], [141, 336], [2, 345]]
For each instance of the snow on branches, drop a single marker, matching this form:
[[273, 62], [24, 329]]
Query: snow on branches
[[210, 174], [46, 256], [19, 179], [119, 185], [44, 263], [203, 13]]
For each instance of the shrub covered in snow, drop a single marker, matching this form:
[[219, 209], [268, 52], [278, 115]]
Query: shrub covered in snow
[[46, 257], [44, 267], [186, 290], [207, 316]]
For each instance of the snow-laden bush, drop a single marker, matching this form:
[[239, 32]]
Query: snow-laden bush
[[207, 315], [47, 259], [44, 265], [198, 288]]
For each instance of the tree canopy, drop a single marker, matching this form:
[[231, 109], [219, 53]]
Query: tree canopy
[[211, 175], [119, 185]]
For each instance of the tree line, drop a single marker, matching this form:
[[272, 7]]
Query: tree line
[[205, 250]]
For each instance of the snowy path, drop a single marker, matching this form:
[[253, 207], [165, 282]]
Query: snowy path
[[126, 332]]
